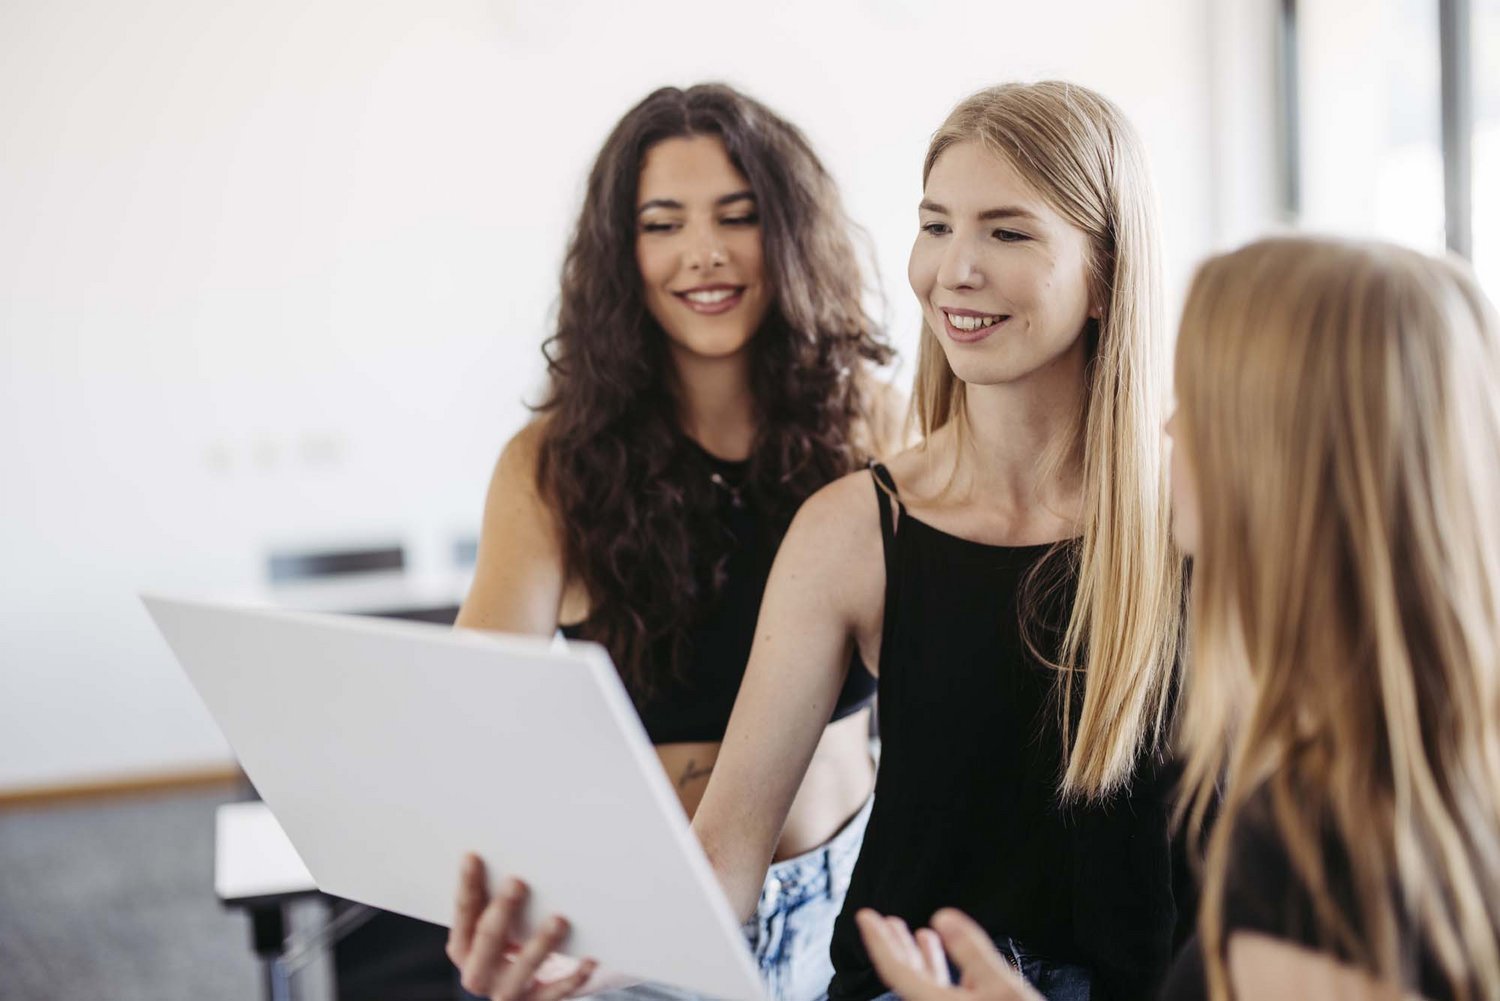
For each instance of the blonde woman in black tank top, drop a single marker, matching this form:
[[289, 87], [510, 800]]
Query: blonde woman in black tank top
[[1012, 577]]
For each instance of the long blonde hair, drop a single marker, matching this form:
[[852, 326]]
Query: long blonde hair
[[1340, 404], [1081, 154]]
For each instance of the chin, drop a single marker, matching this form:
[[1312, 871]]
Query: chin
[[1185, 538], [986, 371], [712, 347]]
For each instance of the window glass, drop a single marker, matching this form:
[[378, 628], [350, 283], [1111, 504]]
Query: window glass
[[1485, 16]]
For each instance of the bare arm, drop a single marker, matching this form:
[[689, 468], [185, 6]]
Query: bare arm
[[825, 590], [519, 574]]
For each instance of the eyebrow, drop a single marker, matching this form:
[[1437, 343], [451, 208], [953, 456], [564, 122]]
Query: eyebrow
[[1004, 212], [720, 202]]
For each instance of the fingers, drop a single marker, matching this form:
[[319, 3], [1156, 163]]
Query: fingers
[[966, 941], [517, 976], [567, 986], [980, 961], [491, 936], [897, 958], [931, 946], [468, 903], [900, 934]]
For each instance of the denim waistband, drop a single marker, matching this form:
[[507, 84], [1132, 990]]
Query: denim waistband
[[814, 873]]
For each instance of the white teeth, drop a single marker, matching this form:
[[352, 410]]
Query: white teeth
[[972, 322], [710, 296]]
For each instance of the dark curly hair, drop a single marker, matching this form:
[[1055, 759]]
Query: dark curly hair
[[633, 498]]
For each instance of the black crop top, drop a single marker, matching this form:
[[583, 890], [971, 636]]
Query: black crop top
[[697, 708], [966, 808]]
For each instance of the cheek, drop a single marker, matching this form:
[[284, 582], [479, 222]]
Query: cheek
[[1058, 291], [749, 255], [655, 267], [919, 270], [1185, 524]]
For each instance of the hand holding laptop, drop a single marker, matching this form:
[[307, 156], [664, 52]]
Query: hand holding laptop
[[350, 727], [490, 963]]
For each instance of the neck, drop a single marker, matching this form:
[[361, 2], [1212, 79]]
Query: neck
[[715, 407], [1011, 431]]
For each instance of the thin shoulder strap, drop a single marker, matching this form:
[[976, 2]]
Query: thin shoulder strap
[[885, 493]]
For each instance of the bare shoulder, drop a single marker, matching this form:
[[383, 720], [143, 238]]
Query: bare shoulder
[[1262, 966], [913, 470], [832, 558], [519, 574], [842, 514], [517, 465], [515, 489]]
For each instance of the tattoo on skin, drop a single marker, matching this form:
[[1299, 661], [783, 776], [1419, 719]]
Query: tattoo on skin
[[692, 773]]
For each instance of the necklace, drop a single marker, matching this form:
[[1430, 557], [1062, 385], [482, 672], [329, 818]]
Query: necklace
[[735, 500]]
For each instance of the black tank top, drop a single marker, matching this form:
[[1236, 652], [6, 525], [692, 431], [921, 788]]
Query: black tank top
[[966, 811], [697, 707]]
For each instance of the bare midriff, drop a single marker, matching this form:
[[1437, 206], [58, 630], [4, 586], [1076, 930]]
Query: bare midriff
[[838, 782]]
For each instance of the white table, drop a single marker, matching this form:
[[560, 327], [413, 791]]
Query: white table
[[257, 870], [253, 859]]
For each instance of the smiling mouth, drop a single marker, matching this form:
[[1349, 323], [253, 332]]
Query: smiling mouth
[[712, 299], [970, 323]]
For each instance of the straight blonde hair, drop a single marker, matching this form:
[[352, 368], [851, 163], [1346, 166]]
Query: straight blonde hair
[[1340, 406], [1082, 155]]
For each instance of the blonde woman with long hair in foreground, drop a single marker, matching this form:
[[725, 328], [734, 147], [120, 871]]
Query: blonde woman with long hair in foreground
[[1337, 478]]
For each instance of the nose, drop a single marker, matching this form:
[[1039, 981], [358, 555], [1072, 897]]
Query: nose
[[704, 249], [959, 268]]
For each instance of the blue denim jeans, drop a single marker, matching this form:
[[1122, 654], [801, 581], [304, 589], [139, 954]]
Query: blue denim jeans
[[793, 922], [1053, 980]]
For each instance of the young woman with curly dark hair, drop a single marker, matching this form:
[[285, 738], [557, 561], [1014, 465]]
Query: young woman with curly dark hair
[[710, 370]]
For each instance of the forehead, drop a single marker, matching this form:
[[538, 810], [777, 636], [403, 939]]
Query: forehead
[[968, 177], [688, 169]]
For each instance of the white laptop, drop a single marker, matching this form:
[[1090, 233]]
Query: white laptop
[[388, 749]]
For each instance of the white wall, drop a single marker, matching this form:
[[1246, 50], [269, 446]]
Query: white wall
[[278, 271]]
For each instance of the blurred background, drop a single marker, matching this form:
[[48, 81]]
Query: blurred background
[[274, 277]]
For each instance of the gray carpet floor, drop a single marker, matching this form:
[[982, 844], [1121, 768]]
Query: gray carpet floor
[[115, 900]]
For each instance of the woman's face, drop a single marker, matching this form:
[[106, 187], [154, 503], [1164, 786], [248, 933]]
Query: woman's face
[[1002, 277], [698, 247], [1185, 522]]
